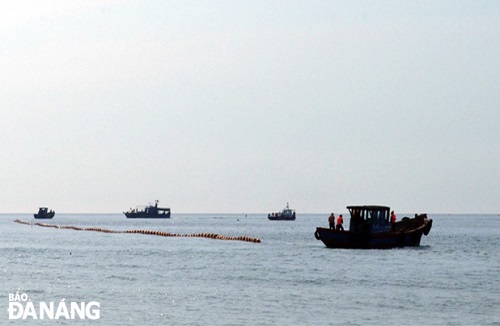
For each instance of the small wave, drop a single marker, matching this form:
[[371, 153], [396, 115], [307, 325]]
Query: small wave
[[122, 278], [35, 272], [29, 291]]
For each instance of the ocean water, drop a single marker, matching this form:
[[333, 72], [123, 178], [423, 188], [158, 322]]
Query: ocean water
[[289, 278]]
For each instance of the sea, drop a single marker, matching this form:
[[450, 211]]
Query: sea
[[289, 278]]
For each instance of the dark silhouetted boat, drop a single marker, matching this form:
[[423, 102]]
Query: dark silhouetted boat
[[287, 214], [370, 228], [148, 212], [44, 213]]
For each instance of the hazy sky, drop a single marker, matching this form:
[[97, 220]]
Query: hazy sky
[[241, 106]]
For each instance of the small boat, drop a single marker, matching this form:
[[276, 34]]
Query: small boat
[[370, 228], [149, 211], [287, 214], [44, 213]]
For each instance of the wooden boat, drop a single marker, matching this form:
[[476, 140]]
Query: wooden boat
[[148, 212], [370, 228], [287, 214], [44, 213]]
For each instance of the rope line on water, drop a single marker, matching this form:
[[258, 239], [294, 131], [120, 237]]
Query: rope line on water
[[150, 232]]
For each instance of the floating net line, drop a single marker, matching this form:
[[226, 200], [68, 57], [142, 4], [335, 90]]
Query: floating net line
[[150, 232]]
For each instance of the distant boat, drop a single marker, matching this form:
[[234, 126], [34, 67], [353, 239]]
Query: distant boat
[[287, 214], [148, 212], [370, 228], [44, 213]]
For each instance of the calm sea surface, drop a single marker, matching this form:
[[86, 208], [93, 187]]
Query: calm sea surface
[[288, 279]]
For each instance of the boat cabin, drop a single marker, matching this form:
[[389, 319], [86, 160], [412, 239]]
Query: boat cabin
[[43, 210], [369, 219], [155, 210], [287, 211]]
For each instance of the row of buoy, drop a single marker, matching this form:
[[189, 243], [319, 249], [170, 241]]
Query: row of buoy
[[150, 232], [196, 235]]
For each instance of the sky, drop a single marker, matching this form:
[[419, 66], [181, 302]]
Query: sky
[[243, 106]]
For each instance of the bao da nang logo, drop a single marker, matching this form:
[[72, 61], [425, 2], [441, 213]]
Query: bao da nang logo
[[21, 307]]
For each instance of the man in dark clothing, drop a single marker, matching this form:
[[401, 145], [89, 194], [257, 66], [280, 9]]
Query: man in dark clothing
[[331, 221]]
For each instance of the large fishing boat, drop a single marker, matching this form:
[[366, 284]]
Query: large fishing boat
[[287, 214], [370, 228], [150, 211], [44, 213]]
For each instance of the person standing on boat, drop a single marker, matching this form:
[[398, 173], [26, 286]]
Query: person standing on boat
[[340, 222], [331, 221], [393, 221]]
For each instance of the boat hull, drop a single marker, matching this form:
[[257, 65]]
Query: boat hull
[[145, 215], [383, 240], [281, 218], [43, 217]]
